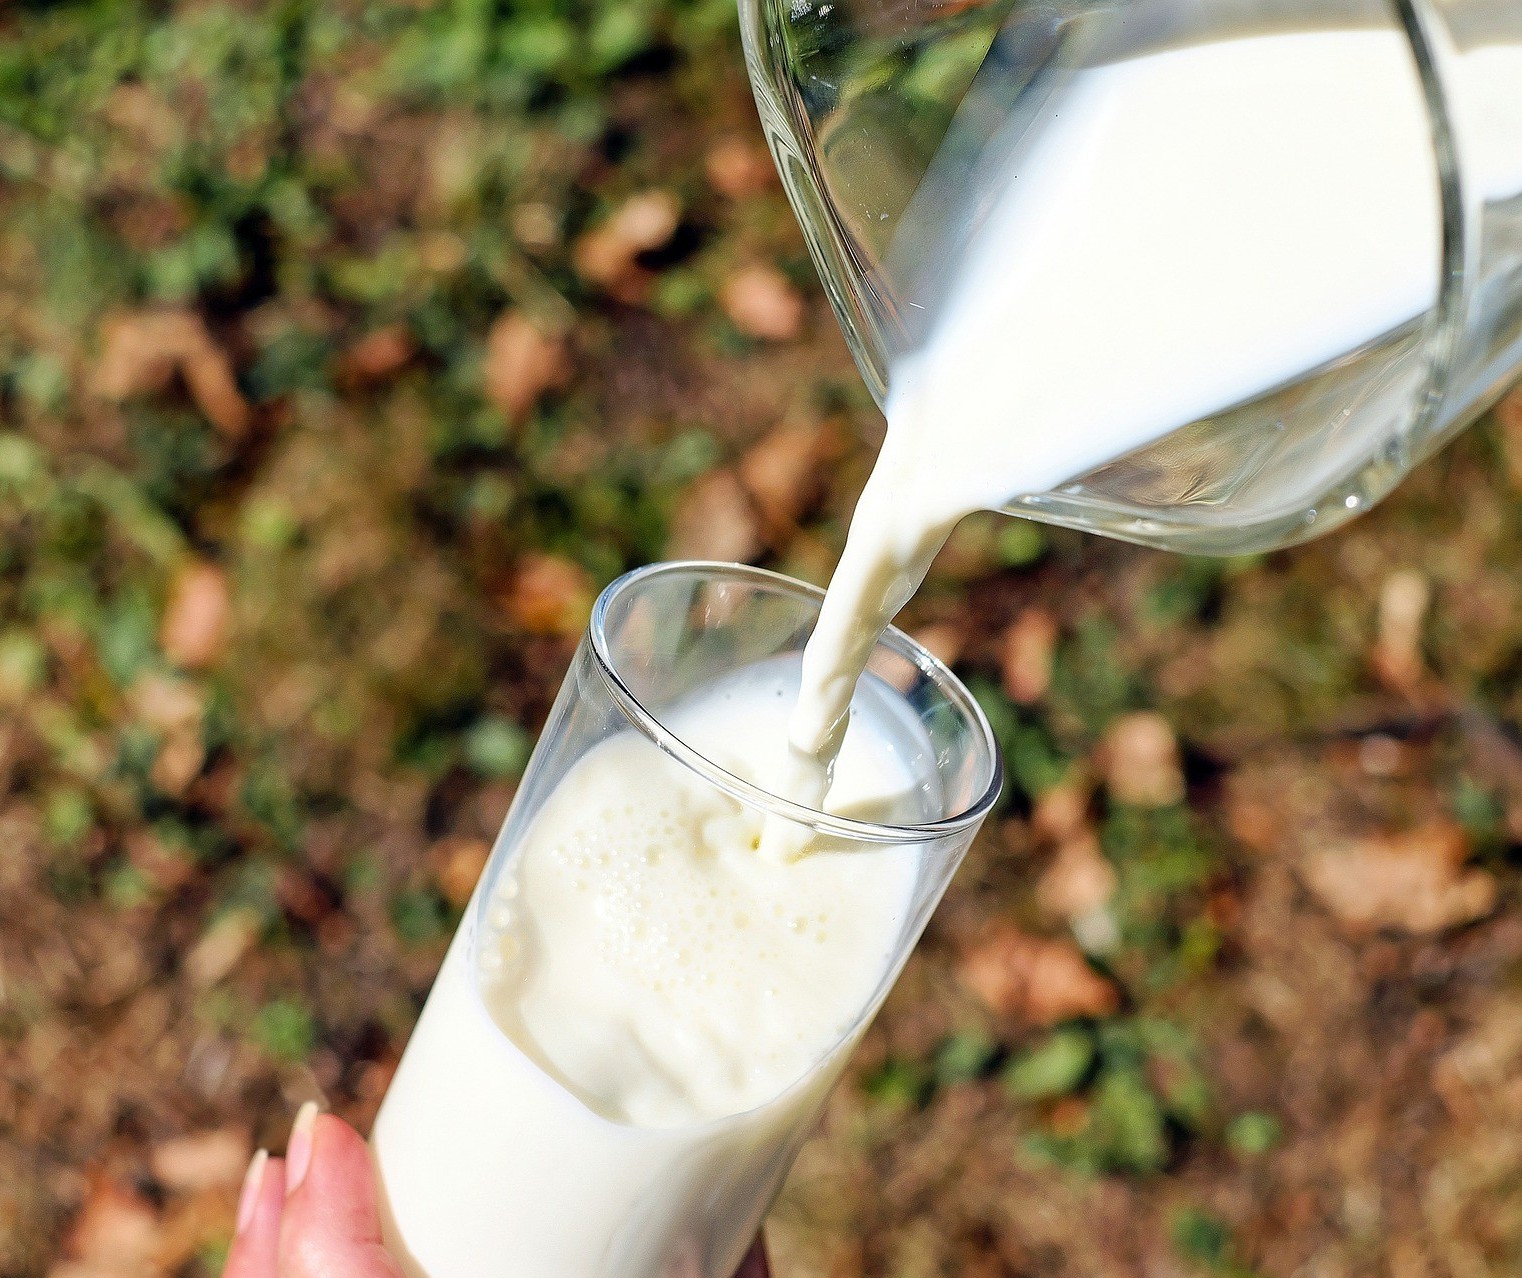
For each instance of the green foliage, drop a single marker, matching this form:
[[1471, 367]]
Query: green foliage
[[497, 747], [1253, 1134], [420, 918], [286, 1029], [964, 1057], [900, 1083], [1052, 1068]]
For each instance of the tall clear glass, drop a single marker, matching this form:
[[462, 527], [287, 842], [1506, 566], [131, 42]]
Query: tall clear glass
[[896, 126], [490, 1166]]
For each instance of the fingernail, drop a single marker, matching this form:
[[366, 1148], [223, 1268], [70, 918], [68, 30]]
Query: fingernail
[[253, 1181], [298, 1150]]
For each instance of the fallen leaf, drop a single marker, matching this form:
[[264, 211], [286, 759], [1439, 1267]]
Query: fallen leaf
[[178, 763], [167, 704], [739, 168], [221, 947], [1415, 881], [943, 640], [1509, 419], [549, 595], [1079, 880], [1034, 979], [1061, 813], [1404, 599], [1140, 760], [377, 356], [116, 1231], [458, 863], [142, 352], [782, 475], [196, 622], [202, 1160], [522, 365], [762, 303], [606, 255], [1025, 655], [715, 520]]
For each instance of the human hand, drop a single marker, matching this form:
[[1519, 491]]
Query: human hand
[[313, 1214]]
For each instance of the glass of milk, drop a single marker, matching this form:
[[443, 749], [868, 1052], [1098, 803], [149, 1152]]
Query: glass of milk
[[1211, 275], [643, 1011]]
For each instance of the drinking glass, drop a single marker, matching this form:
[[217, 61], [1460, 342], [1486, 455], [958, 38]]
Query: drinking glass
[[892, 123], [491, 1167]]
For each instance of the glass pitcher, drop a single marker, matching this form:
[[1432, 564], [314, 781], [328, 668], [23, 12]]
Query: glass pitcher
[[903, 128]]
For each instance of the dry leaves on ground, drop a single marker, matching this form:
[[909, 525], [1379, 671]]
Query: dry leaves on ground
[[1404, 599], [1140, 761], [457, 864], [1509, 419], [198, 617], [377, 356], [115, 1235], [1035, 979], [714, 519], [1414, 881], [523, 364], [144, 350], [202, 1160], [1079, 881], [608, 254], [549, 595], [1025, 655], [782, 474], [762, 303], [739, 168]]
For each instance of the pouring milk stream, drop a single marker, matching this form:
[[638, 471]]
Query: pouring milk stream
[[653, 998]]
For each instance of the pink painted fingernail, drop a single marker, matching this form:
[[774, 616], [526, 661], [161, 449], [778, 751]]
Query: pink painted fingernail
[[298, 1150], [253, 1181]]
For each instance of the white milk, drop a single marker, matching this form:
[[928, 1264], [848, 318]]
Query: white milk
[[1196, 228], [665, 1010], [657, 1014]]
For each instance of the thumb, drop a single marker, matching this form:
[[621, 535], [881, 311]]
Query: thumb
[[331, 1225]]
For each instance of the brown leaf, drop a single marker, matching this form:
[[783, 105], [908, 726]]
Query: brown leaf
[[221, 947], [523, 364], [1025, 655], [606, 255], [762, 303], [178, 763], [202, 1160], [143, 350], [1404, 599], [944, 640], [782, 475], [167, 704], [549, 595], [457, 865], [1140, 758], [715, 520], [116, 1231], [1509, 419], [1034, 979], [377, 356], [739, 168], [1413, 881], [1062, 813], [1079, 880], [196, 622]]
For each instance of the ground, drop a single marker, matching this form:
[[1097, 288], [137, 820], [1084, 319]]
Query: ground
[[346, 350]]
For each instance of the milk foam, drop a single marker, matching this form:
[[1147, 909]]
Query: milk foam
[[645, 955]]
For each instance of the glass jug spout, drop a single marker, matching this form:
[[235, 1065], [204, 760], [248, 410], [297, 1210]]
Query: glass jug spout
[[1248, 261]]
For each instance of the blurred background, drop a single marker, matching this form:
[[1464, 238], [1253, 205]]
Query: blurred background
[[346, 350]]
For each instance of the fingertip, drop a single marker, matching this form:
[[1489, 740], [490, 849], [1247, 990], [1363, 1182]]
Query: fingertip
[[256, 1245]]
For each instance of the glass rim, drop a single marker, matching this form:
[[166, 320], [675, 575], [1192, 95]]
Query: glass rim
[[650, 725]]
